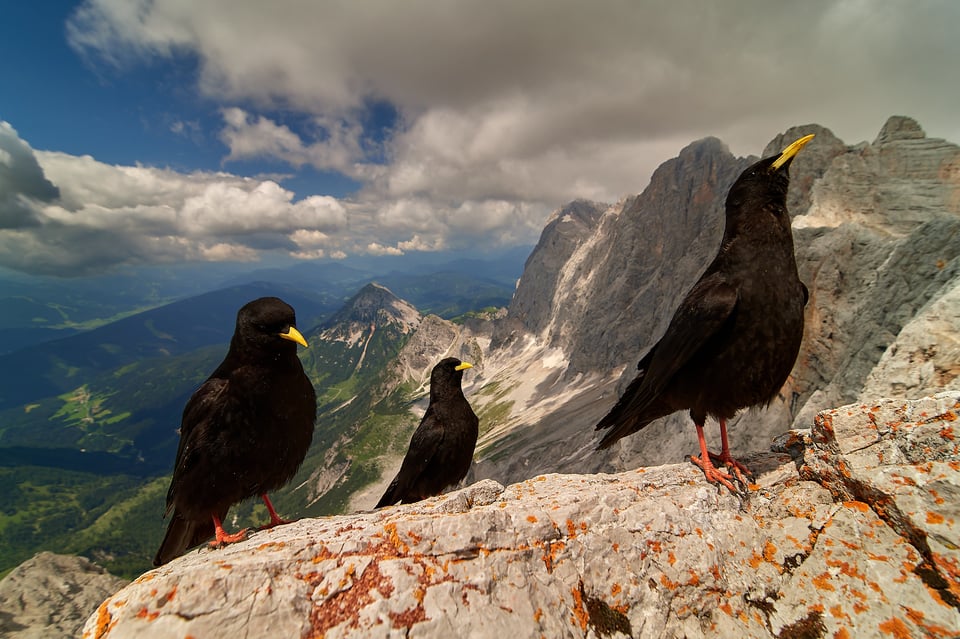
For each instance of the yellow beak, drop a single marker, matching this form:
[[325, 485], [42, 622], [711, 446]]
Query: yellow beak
[[463, 366], [294, 335], [791, 151]]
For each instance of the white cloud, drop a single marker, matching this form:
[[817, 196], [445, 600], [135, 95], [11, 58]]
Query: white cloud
[[249, 136], [70, 215], [506, 109], [375, 248]]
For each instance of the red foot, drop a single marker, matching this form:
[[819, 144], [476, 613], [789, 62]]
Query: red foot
[[275, 519], [223, 538], [713, 474], [738, 469], [279, 521]]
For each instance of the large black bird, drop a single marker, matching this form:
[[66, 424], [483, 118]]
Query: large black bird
[[244, 432], [735, 337], [441, 448]]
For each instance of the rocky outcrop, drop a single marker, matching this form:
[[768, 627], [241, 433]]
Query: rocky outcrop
[[925, 356], [851, 530], [50, 596]]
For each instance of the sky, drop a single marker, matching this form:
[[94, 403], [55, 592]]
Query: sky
[[167, 131]]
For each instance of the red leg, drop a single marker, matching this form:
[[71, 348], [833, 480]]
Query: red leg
[[714, 475], [222, 538], [275, 519], [727, 459]]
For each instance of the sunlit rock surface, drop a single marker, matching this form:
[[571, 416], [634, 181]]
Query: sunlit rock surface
[[850, 530]]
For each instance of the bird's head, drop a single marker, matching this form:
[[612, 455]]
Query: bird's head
[[448, 373], [765, 181], [268, 322]]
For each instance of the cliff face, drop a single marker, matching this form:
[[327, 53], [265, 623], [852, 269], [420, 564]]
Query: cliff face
[[877, 236], [852, 527]]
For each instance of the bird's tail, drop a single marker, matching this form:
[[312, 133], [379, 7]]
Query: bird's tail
[[181, 535], [630, 415], [391, 495], [623, 428]]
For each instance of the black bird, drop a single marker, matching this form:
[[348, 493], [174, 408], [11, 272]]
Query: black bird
[[441, 448], [244, 432], [734, 338]]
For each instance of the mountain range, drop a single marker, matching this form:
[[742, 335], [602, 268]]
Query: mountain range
[[88, 423], [876, 231]]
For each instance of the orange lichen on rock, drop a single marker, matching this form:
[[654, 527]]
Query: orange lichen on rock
[[346, 605], [105, 622], [769, 551], [143, 613], [167, 598], [409, 617], [550, 553], [580, 615], [822, 582], [895, 627], [934, 518], [394, 538], [950, 571], [857, 505], [667, 583], [931, 630], [838, 613]]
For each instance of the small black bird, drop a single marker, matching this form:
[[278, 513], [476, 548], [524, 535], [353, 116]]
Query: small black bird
[[733, 340], [244, 432], [441, 448]]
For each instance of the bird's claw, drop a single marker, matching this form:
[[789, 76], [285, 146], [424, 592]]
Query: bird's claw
[[223, 538], [739, 469], [276, 521], [713, 474]]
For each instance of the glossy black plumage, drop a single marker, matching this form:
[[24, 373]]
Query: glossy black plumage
[[441, 448], [734, 338], [244, 432]]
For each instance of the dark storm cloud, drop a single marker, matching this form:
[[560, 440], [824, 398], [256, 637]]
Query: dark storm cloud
[[22, 182]]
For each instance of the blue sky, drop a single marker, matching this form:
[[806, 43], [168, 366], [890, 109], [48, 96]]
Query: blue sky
[[148, 114], [157, 131]]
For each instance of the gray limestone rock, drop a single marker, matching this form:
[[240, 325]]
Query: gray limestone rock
[[857, 534], [564, 232], [50, 596]]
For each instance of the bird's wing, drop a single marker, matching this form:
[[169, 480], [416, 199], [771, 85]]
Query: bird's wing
[[701, 315], [426, 441], [703, 312], [194, 425]]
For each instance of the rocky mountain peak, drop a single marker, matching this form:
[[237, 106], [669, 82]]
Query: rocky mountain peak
[[375, 305], [899, 127], [642, 254], [903, 180], [567, 228]]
